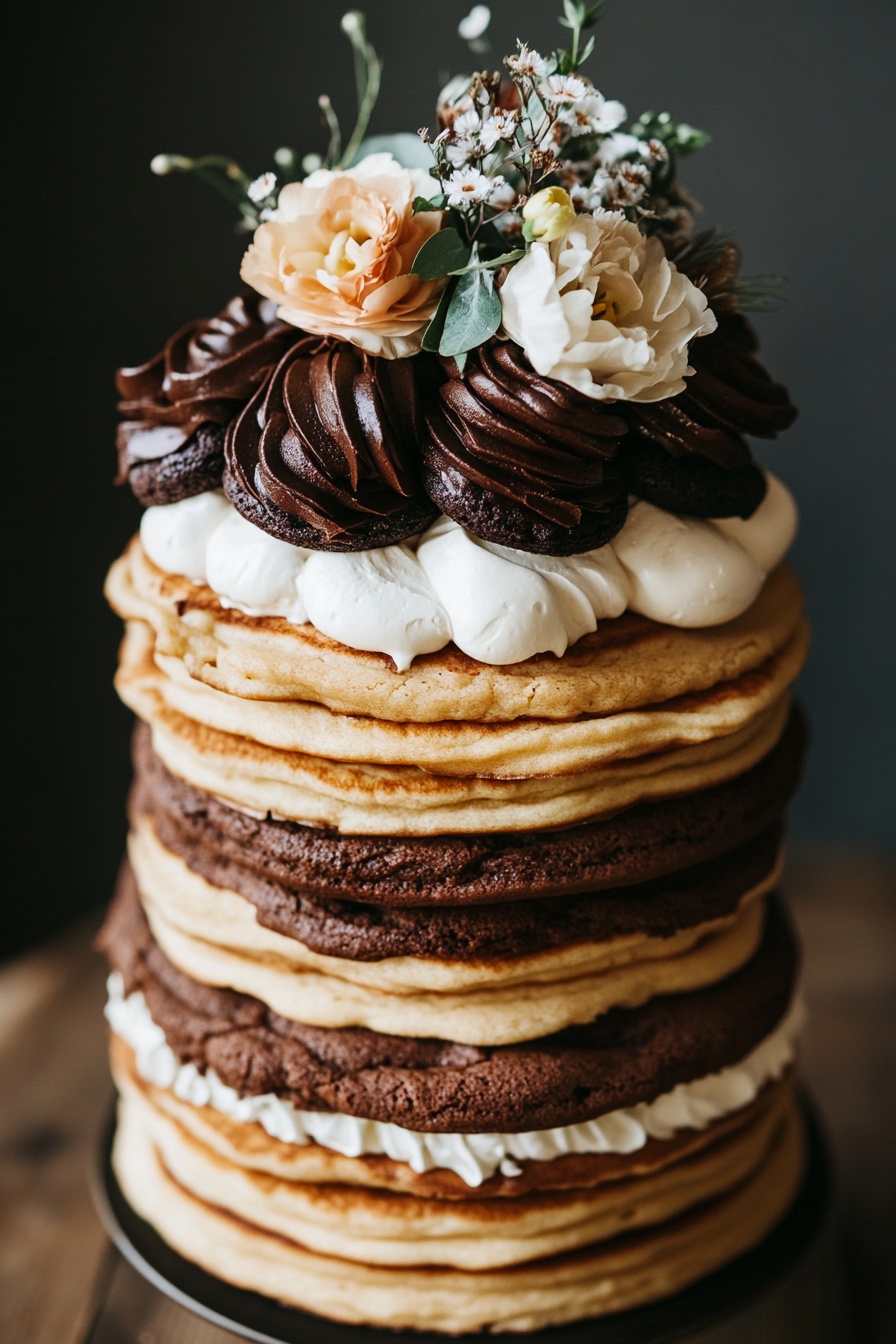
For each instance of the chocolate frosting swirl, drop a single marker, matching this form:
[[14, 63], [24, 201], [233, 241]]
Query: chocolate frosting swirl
[[688, 453], [326, 456], [729, 393], [523, 460], [177, 405]]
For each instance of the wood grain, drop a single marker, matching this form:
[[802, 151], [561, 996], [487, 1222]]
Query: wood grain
[[62, 1283]]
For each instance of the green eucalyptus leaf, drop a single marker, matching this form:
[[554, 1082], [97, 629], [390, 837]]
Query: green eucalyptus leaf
[[422, 203], [473, 315], [442, 254], [433, 333]]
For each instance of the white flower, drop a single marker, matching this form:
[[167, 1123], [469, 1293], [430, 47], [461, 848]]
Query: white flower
[[262, 187], [621, 146], [592, 115], [468, 186], [602, 309], [527, 63], [475, 24], [468, 123], [565, 88], [625, 185], [501, 125]]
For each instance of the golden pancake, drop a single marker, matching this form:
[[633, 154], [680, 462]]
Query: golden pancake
[[613, 1276], [382, 1228], [488, 750], [498, 1014], [627, 663], [403, 800]]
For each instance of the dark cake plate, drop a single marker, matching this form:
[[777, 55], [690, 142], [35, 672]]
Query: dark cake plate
[[259, 1318]]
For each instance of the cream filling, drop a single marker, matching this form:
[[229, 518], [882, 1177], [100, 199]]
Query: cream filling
[[498, 605], [474, 1157]]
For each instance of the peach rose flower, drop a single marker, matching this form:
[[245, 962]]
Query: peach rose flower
[[336, 256]]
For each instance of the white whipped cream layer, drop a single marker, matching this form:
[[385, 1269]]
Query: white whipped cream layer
[[498, 605], [474, 1157]]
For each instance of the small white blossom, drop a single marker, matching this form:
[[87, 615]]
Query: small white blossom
[[566, 88], [475, 24], [655, 151], [501, 125], [527, 63], [468, 186], [461, 150], [629, 183], [620, 146], [261, 188], [468, 123]]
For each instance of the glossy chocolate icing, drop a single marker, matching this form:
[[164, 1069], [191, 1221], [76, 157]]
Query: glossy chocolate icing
[[177, 405], [326, 456], [522, 460]]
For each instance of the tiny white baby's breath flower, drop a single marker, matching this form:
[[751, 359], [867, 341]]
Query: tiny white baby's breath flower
[[468, 186], [475, 24], [528, 63], [162, 164], [262, 187], [628, 185], [566, 88], [501, 125]]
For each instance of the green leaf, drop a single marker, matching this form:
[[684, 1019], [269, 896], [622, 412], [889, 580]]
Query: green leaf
[[433, 333], [493, 263], [473, 315], [442, 254], [422, 203]]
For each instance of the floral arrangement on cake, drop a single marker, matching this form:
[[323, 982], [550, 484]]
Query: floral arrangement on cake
[[506, 319]]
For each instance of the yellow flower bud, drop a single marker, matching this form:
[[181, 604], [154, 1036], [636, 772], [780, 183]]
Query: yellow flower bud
[[549, 214]]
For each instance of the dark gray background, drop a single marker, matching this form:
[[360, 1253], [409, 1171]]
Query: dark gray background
[[104, 261]]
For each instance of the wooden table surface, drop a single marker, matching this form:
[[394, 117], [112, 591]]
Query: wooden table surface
[[62, 1282]]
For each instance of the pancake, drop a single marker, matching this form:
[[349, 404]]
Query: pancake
[[248, 1144], [212, 936], [623, 1057], [385, 1228], [628, 663], [621, 1273], [647, 841], [404, 800], [487, 750]]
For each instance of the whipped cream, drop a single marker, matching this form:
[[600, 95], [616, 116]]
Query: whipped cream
[[473, 1157], [497, 604]]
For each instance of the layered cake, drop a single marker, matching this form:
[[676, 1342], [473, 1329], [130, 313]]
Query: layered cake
[[451, 988]]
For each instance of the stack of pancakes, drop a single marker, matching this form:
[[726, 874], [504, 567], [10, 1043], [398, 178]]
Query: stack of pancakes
[[459, 997]]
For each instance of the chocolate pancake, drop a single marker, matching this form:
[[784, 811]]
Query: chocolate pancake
[[624, 1057], [638, 845], [361, 932]]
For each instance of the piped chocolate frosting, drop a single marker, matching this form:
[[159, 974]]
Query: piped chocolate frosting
[[326, 456], [177, 406], [688, 454], [522, 460]]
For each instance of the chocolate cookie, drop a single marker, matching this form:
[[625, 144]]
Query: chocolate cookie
[[690, 485], [624, 1057], [645, 842]]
